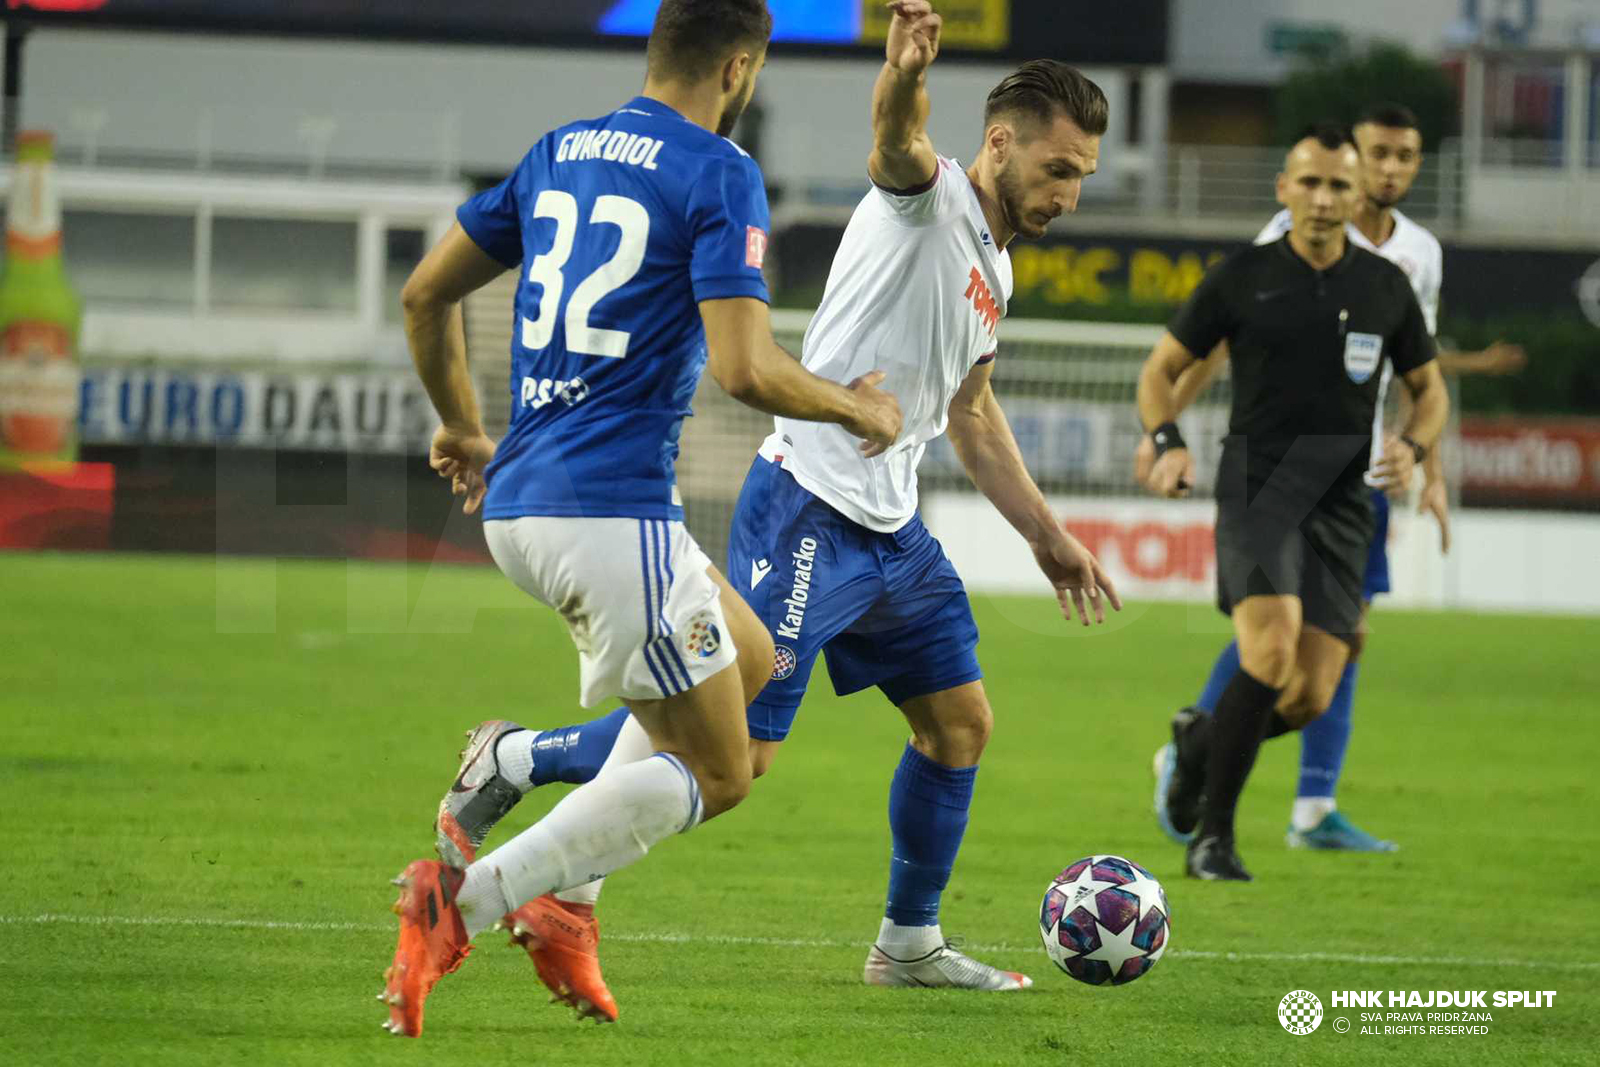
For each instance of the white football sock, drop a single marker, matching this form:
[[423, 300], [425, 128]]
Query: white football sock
[[514, 753], [908, 942], [608, 823], [632, 745], [587, 893], [1309, 812]]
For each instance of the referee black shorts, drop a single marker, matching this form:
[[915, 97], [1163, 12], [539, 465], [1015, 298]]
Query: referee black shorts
[[1320, 558]]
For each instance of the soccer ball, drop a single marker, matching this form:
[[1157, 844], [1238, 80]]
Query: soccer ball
[[1105, 919]]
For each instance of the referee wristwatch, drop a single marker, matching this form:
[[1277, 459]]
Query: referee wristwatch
[[1418, 450]]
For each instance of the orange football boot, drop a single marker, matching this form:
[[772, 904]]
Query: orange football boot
[[433, 942], [565, 948]]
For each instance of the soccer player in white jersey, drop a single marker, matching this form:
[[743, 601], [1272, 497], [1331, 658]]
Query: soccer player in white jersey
[[827, 545], [640, 235], [1390, 146]]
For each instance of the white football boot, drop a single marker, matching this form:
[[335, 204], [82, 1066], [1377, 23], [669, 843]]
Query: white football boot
[[479, 797], [944, 967]]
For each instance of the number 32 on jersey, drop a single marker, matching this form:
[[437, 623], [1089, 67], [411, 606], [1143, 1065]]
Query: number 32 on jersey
[[546, 270]]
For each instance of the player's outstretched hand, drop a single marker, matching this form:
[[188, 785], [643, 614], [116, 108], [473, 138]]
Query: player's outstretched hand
[[913, 35], [1500, 358], [1436, 499], [1393, 471], [1173, 474], [461, 456], [1077, 577], [878, 415]]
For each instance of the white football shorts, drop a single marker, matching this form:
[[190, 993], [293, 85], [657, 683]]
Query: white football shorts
[[635, 595]]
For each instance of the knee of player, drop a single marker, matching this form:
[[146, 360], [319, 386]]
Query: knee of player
[[976, 727], [723, 788], [958, 740], [1270, 658]]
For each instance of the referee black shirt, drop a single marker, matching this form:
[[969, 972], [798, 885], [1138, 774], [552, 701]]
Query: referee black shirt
[[1305, 346]]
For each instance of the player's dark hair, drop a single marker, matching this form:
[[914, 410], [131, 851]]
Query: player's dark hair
[[691, 39], [1390, 116], [1041, 89], [1328, 134]]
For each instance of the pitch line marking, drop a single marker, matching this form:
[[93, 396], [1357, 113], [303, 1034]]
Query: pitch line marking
[[56, 919]]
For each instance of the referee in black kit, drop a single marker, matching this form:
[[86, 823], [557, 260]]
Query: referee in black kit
[[1307, 320]]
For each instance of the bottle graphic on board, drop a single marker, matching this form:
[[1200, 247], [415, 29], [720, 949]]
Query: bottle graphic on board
[[39, 316]]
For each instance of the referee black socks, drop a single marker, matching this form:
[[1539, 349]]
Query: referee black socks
[[1277, 726], [1237, 729]]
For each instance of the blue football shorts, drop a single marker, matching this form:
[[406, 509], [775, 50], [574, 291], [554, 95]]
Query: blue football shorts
[[1376, 578], [886, 609]]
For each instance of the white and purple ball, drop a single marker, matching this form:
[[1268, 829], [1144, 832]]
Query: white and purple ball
[[1105, 919]]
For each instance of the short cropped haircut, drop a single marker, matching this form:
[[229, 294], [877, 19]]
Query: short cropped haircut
[[1041, 89], [1328, 134], [1390, 116], [691, 39]]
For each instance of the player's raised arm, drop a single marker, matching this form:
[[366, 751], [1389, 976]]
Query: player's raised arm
[[751, 368], [1159, 408], [902, 155]]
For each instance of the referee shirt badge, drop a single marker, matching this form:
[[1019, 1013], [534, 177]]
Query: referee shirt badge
[[1361, 354]]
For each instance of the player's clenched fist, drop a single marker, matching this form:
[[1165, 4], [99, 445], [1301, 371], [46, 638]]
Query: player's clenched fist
[[913, 35], [1393, 470], [1172, 474], [461, 456], [878, 414]]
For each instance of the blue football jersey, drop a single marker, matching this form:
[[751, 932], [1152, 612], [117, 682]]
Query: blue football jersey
[[621, 224]]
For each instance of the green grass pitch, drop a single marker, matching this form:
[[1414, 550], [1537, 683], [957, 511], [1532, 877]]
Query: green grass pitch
[[211, 769]]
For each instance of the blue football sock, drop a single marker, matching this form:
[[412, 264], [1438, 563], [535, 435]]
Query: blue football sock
[[928, 805], [1323, 742], [574, 753], [1222, 673]]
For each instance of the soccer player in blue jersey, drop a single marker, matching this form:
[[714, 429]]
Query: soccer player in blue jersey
[[827, 543], [640, 236]]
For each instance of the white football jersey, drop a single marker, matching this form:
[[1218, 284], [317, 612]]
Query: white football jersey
[[916, 290], [1411, 248]]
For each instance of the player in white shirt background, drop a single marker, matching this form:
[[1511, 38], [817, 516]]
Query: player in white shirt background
[[827, 545], [1390, 146]]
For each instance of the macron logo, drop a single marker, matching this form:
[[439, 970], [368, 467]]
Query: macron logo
[[759, 569]]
